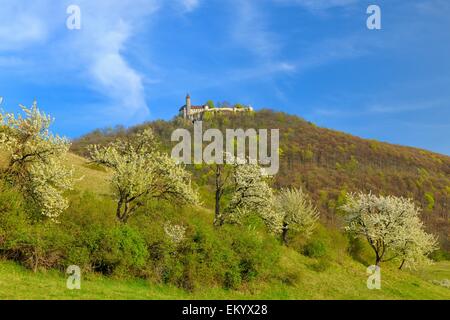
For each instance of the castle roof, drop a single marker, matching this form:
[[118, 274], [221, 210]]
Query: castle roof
[[193, 107]]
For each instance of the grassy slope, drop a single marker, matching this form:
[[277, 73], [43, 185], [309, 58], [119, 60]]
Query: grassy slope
[[344, 279]]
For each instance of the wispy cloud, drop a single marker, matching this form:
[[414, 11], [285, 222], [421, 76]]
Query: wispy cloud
[[403, 108], [21, 25], [97, 51], [319, 4], [189, 5], [101, 45], [251, 32], [387, 108]]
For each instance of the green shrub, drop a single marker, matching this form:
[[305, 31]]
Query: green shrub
[[119, 250], [315, 249], [88, 235], [359, 249], [98, 242], [35, 243], [429, 199], [225, 257], [440, 255], [232, 279], [320, 266]]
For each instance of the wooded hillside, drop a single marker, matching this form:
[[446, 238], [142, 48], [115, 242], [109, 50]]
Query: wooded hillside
[[329, 163]]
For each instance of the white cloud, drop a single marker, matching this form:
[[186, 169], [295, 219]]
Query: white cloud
[[380, 109], [250, 31], [405, 108], [21, 25], [319, 4], [107, 27], [189, 5], [96, 54]]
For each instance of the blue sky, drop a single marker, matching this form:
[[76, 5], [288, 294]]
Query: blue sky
[[135, 60]]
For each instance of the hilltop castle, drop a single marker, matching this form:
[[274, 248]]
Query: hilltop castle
[[195, 113]]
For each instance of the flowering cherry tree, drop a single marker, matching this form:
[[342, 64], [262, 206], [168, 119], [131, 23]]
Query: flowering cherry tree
[[140, 172], [251, 193], [391, 225], [296, 211], [416, 245], [35, 159]]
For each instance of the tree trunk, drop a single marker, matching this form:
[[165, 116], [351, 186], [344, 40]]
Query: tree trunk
[[378, 260], [217, 216], [122, 211], [401, 266], [285, 234], [119, 210]]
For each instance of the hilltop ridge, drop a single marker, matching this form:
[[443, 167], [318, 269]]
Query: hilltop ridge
[[329, 163]]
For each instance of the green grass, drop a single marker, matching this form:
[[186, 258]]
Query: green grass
[[346, 281], [295, 276], [90, 178]]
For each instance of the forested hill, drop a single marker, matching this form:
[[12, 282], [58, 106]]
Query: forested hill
[[329, 163]]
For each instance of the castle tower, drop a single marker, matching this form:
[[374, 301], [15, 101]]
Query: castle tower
[[188, 105]]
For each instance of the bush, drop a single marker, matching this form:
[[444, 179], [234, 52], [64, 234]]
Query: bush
[[226, 257], [33, 242], [359, 249], [90, 237], [86, 237], [315, 249], [320, 266], [98, 242], [120, 250], [440, 255]]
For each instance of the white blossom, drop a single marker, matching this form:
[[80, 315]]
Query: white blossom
[[176, 233], [140, 171], [391, 225], [35, 159], [296, 211], [252, 194]]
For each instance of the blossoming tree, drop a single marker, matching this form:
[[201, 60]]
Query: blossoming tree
[[140, 172], [250, 193], [296, 211], [36, 157], [391, 225]]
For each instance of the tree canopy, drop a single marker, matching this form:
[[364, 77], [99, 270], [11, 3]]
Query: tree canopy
[[140, 172], [391, 225], [36, 159]]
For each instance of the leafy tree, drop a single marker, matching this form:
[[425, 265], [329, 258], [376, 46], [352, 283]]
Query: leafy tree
[[429, 200], [222, 174], [35, 159], [224, 104], [416, 246], [251, 193], [210, 104], [391, 225], [296, 212], [141, 172]]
